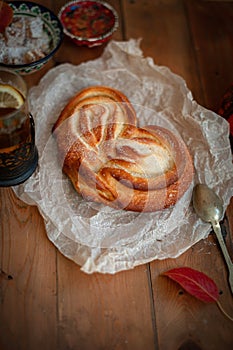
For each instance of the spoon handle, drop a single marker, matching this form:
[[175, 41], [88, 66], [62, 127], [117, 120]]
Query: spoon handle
[[218, 232]]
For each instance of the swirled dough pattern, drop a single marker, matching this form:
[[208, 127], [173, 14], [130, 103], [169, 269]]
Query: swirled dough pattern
[[112, 161]]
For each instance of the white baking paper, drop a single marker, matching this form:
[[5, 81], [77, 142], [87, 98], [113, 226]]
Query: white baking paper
[[97, 237]]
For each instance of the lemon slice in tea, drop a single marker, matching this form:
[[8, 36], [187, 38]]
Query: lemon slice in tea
[[10, 97]]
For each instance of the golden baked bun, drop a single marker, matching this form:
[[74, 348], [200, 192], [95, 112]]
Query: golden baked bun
[[111, 161]]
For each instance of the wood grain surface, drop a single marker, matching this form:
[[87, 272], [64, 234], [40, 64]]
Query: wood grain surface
[[46, 302]]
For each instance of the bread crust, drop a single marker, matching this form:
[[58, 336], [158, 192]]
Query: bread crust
[[112, 161]]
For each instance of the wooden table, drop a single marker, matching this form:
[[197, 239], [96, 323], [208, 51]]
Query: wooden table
[[46, 302]]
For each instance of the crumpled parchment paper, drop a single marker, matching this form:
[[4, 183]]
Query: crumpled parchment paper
[[96, 237]]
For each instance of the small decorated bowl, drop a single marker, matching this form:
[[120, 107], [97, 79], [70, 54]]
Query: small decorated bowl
[[88, 23], [31, 39]]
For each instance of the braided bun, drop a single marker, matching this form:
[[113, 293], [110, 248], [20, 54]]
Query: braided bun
[[112, 161]]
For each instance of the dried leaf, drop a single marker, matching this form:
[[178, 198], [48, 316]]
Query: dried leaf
[[195, 283]]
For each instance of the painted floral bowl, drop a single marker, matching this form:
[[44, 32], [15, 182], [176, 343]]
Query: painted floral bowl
[[88, 23], [32, 38]]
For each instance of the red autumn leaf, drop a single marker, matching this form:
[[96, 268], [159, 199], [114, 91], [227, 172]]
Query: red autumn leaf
[[6, 15], [195, 283]]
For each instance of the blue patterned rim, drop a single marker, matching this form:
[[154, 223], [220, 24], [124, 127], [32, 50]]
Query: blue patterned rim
[[52, 26]]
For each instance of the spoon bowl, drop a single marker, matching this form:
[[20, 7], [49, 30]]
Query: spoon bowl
[[207, 204], [209, 207]]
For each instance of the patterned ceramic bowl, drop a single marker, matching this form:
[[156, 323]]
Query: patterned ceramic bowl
[[88, 23], [31, 40]]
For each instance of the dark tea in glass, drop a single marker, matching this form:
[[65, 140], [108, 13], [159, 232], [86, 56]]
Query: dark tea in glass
[[18, 153]]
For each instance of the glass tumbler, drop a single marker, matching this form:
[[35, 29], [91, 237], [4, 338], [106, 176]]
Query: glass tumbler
[[18, 152]]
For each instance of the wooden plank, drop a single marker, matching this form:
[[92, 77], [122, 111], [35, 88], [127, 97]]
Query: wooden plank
[[165, 37], [214, 51], [212, 30], [28, 313], [28, 295], [104, 311], [179, 316]]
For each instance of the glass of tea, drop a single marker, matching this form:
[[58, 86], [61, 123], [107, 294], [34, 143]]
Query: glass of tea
[[18, 152]]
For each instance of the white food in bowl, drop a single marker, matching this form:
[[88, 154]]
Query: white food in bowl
[[24, 41]]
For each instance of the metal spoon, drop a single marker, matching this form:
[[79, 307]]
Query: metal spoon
[[209, 208]]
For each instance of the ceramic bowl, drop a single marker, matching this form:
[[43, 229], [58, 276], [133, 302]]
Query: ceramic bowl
[[52, 28], [88, 23]]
